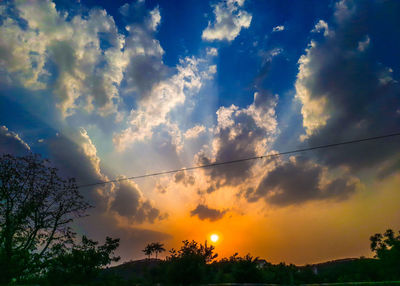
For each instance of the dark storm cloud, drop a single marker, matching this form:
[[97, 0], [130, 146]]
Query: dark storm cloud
[[350, 70], [128, 202], [240, 139], [203, 212], [296, 182], [11, 143]]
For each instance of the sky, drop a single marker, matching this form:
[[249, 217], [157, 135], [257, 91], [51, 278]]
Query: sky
[[113, 89]]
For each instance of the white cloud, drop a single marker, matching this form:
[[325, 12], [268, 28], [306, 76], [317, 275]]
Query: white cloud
[[240, 133], [87, 74], [278, 28], [194, 132], [212, 52], [164, 96], [322, 26], [344, 92], [144, 54], [229, 21], [155, 18], [313, 108]]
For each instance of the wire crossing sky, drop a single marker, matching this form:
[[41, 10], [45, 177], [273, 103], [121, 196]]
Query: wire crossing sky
[[245, 159]]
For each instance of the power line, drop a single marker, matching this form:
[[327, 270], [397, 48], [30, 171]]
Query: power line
[[244, 159]]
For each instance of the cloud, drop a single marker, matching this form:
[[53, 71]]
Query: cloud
[[322, 26], [117, 205], [229, 21], [164, 96], [362, 45], [299, 180], [346, 93], [240, 133], [182, 177], [145, 67], [79, 59], [129, 202], [203, 212], [194, 132], [12, 143], [75, 155], [278, 28]]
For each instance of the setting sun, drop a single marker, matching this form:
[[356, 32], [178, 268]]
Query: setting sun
[[214, 237]]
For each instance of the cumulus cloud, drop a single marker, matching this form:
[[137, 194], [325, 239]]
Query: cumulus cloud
[[143, 52], [80, 60], [194, 132], [278, 28], [204, 212], [12, 143], [164, 96], [117, 205], [129, 202], [299, 180], [240, 133], [346, 93], [75, 155], [230, 18], [322, 26], [183, 178]]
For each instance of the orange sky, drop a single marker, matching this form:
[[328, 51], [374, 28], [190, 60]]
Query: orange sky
[[309, 233]]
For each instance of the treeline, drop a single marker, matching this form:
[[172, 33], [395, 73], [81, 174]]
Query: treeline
[[195, 263], [38, 245]]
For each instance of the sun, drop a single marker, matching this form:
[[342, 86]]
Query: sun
[[214, 237]]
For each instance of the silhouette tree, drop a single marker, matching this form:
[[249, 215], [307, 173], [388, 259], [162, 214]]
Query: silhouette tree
[[387, 249], [36, 208], [157, 247], [80, 263], [148, 250], [189, 264]]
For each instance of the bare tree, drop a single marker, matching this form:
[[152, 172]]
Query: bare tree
[[36, 209]]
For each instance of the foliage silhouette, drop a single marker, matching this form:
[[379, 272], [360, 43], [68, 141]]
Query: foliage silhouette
[[387, 248], [154, 247], [158, 248], [36, 209], [80, 263], [189, 265]]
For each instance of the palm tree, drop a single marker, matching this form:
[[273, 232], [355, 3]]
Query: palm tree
[[157, 247], [148, 250]]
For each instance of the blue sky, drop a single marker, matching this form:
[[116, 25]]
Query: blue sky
[[112, 89]]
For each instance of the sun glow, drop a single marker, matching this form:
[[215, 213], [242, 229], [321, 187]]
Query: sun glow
[[214, 237]]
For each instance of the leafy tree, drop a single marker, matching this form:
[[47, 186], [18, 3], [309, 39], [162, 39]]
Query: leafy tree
[[189, 265], [36, 208], [80, 263], [387, 249]]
